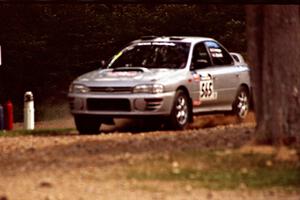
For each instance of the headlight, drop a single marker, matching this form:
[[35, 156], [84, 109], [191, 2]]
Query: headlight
[[149, 88], [77, 88]]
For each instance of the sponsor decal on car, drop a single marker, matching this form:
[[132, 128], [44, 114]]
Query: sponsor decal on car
[[215, 50]]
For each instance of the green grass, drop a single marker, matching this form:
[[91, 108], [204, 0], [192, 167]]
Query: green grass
[[36, 132], [214, 171], [229, 179]]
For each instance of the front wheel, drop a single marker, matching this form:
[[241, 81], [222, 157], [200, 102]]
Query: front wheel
[[87, 124], [179, 118], [241, 103]]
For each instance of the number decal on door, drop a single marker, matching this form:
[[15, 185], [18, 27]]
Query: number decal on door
[[207, 90]]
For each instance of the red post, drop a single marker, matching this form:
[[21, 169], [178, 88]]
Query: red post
[[9, 119]]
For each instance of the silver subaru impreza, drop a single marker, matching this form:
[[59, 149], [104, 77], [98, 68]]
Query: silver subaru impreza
[[169, 79]]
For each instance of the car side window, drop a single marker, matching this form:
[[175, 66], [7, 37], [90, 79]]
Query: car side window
[[201, 57], [218, 54]]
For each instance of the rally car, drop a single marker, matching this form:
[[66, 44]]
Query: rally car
[[166, 78]]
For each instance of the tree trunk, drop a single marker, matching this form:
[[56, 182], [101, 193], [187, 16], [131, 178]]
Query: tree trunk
[[273, 33]]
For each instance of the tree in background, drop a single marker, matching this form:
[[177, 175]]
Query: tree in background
[[273, 49]]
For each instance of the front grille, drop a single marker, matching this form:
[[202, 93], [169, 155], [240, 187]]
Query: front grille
[[111, 89], [108, 104]]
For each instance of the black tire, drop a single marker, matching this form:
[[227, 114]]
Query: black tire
[[87, 124], [241, 104], [180, 114]]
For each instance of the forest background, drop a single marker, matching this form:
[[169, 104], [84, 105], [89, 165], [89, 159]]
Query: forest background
[[46, 46]]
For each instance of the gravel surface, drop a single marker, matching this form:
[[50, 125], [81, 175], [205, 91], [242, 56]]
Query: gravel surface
[[88, 167]]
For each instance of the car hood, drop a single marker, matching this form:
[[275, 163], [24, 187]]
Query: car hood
[[125, 76]]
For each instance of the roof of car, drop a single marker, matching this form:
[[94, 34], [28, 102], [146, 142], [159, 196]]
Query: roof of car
[[191, 39]]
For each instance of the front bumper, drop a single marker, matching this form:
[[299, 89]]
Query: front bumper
[[121, 105]]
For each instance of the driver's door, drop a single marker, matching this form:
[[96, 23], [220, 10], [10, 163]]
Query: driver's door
[[205, 87]]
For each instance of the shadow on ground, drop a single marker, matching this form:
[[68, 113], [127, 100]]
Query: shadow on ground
[[201, 121]]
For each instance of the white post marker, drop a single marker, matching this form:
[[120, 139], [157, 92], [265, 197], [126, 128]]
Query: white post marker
[[28, 111]]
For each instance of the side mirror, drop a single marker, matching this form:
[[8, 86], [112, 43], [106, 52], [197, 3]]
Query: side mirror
[[103, 64]]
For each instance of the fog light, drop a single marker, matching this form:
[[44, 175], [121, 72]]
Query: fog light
[[140, 104], [78, 104]]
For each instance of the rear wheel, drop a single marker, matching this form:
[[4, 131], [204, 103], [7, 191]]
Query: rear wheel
[[180, 114], [241, 104], [87, 124]]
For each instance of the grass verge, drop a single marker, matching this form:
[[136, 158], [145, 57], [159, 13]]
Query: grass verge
[[220, 170], [37, 132]]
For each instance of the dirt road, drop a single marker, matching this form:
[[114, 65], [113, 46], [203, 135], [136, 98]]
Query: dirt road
[[91, 167]]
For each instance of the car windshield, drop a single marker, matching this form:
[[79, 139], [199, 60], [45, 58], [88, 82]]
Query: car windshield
[[172, 55]]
